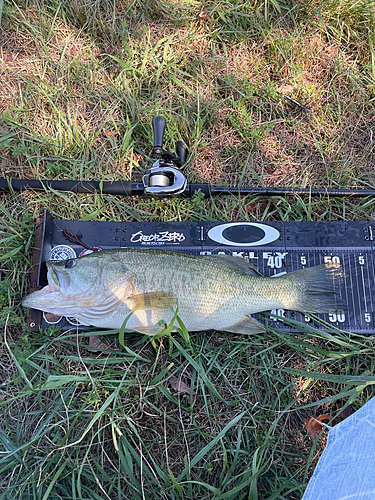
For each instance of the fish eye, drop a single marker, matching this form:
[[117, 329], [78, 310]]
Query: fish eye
[[69, 263]]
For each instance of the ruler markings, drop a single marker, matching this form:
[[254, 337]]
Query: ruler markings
[[356, 275], [370, 320], [349, 296], [372, 275], [364, 289], [358, 283], [344, 292], [356, 290], [353, 262], [351, 290], [361, 288], [357, 299], [370, 294]]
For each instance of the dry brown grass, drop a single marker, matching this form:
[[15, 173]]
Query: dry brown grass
[[64, 95], [299, 150]]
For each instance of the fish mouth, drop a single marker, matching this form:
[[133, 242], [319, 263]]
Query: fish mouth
[[51, 298], [46, 297]]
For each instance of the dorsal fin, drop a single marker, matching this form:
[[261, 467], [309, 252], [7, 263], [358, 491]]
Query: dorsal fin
[[237, 263]]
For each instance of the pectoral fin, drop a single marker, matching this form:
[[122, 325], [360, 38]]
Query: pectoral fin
[[151, 300], [246, 326]]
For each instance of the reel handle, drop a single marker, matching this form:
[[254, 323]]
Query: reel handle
[[182, 152], [158, 126]]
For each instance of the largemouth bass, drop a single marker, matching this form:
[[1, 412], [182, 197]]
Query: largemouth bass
[[212, 292]]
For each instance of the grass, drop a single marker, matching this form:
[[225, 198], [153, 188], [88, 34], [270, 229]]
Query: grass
[[78, 422]]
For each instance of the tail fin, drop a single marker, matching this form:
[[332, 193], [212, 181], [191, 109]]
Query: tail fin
[[318, 287]]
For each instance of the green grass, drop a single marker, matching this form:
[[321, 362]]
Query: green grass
[[112, 425], [78, 423]]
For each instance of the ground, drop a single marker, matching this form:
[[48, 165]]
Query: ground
[[79, 85]]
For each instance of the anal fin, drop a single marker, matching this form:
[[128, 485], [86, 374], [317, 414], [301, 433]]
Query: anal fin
[[247, 326], [148, 330]]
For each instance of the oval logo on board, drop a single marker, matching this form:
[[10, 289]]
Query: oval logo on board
[[243, 234]]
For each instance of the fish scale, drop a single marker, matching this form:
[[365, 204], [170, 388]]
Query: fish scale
[[211, 292]]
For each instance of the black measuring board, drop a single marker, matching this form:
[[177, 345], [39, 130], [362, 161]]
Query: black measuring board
[[273, 247]]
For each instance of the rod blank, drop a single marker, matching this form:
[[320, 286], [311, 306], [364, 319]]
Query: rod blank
[[127, 188]]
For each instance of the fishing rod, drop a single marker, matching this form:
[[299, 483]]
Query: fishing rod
[[165, 179]]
